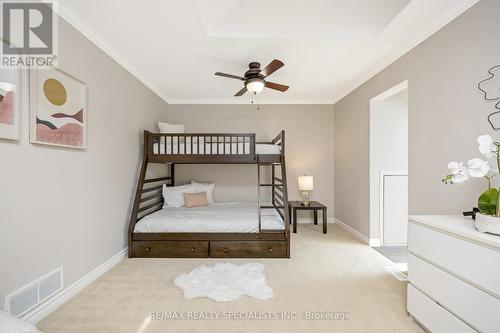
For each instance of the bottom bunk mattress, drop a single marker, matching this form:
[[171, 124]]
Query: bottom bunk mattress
[[237, 217]]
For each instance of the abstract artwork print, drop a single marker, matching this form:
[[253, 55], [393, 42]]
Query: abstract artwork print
[[9, 104], [58, 109]]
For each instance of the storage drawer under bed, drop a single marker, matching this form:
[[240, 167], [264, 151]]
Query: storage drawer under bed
[[247, 249], [170, 249]]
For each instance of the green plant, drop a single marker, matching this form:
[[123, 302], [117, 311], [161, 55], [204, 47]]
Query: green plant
[[488, 202]]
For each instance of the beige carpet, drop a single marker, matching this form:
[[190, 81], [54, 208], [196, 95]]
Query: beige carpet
[[327, 274]]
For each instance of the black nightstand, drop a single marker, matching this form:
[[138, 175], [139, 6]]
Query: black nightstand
[[313, 205]]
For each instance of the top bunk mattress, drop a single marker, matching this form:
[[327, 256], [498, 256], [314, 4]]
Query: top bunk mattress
[[216, 149], [237, 217]]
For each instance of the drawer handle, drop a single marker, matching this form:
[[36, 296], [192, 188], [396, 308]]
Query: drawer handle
[[270, 249], [226, 250], [192, 249], [147, 249]]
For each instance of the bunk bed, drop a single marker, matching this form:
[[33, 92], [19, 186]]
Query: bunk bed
[[220, 230]]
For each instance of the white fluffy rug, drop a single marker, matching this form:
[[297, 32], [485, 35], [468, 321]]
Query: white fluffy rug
[[11, 324], [225, 282]]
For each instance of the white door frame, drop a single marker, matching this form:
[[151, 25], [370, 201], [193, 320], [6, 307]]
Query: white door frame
[[380, 97], [381, 197]]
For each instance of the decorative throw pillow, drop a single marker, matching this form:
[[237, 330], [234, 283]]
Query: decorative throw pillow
[[173, 195], [11, 324], [170, 128], [192, 200], [205, 187]]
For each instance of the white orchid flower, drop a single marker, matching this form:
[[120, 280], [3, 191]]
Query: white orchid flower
[[486, 146], [460, 178], [455, 167], [478, 168], [458, 173]]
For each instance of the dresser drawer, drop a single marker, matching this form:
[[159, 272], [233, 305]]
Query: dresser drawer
[[432, 316], [170, 249], [473, 306], [254, 249], [475, 263]]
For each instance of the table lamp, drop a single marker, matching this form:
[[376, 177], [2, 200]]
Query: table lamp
[[306, 184]]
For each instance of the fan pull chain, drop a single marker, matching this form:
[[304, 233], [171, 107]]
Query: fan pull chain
[[254, 95]]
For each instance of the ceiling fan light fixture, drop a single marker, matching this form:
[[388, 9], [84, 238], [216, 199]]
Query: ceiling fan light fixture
[[254, 78], [255, 86]]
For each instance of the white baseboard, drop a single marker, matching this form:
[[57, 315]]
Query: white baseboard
[[368, 241], [50, 305]]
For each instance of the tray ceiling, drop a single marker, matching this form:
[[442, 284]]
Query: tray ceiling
[[329, 47]]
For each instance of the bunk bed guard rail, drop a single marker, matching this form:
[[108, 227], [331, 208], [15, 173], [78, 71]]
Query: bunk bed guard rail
[[200, 147]]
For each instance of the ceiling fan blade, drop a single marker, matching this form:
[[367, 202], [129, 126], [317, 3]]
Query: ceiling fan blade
[[276, 86], [241, 92], [272, 67], [230, 76]]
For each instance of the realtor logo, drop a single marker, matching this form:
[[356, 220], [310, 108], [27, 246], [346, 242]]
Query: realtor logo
[[29, 33]]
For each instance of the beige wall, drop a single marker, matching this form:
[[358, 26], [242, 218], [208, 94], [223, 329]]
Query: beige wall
[[309, 146], [446, 114], [66, 207]]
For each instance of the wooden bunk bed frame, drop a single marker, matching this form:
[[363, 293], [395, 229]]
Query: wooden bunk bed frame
[[209, 148]]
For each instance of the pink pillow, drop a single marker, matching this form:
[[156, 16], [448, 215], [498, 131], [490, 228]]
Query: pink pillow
[[192, 200]]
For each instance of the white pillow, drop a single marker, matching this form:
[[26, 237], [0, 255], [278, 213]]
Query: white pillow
[[205, 187], [11, 324], [173, 195], [170, 128]]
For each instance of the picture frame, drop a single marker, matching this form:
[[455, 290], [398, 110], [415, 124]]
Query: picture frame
[[58, 109], [10, 103]]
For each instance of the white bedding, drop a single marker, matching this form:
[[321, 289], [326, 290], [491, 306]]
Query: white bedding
[[211, 148], [216, 217]]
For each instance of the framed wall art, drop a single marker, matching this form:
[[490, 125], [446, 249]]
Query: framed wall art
[[58, 109], [10, 103]]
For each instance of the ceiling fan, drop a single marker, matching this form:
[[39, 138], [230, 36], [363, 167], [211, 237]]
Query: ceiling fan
[[254, 78]]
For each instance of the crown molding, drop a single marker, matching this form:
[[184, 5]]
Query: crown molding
[[243, 101], [452, 14], [79, 24]]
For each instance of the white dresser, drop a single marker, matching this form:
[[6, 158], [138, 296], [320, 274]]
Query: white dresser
[[454, 275]]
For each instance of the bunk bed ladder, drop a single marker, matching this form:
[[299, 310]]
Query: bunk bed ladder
[[286, 217], [259, 205], [279, 193]]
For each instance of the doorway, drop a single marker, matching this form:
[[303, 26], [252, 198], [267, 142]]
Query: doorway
[[389, 172]]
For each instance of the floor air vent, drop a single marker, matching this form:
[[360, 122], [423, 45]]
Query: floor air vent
[[28, 297], [22, 300]]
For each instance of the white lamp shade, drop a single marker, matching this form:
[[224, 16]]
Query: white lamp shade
[[306, 183]]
